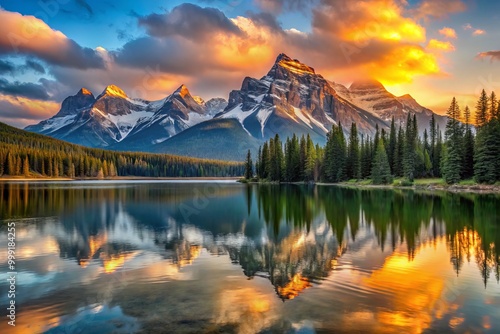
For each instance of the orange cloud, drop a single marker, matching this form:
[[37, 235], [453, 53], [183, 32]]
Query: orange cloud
[[403, 64], [21, 111], [377, 38], [31, 36], [475, 32], [435, 44], [448, 32], [438, 8]]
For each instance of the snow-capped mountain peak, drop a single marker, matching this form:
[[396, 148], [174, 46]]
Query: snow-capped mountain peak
[[114, 91], [293, 65], [182, 91], [293, 98], [85, 91]]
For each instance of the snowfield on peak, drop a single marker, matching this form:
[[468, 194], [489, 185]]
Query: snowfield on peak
[[125, 123]]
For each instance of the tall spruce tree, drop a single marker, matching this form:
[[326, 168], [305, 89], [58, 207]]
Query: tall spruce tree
[[391, 148], [310, 162], [485, 150], [482, 107], [398, 166], [453, 158], [249, 166], [432, 145], [468, 147], [335, 155], [410, 148], [353, 168], [381, 171], [264, 163], [302, 156]]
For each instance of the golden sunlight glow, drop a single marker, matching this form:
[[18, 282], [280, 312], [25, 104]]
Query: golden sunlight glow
[[249, 306], [435, 44], [402, 64], [42, 109], [114, 262], [415, 290], [292, 289], [382, 20], [185, 258], [115, 91]]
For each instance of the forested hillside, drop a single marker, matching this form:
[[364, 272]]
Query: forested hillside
[[462, 151], [29, 154]]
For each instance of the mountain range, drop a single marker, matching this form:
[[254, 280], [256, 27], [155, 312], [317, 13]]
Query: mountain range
[[290, 98]]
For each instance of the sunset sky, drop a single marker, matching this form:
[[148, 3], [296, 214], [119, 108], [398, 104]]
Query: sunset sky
[[432, 49]]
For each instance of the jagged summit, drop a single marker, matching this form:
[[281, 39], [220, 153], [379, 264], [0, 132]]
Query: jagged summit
[[84, 91], [113, 90], [292, 65], [183, 91], [290, 99]]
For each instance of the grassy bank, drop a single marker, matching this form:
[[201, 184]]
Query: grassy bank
[[431, 184]]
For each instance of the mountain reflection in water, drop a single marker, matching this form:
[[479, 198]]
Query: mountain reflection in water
[[390, 260]]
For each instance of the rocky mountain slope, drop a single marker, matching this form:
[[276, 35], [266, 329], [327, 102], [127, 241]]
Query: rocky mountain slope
[[290, 99], [372, 96], [293, 98], [114, 120]]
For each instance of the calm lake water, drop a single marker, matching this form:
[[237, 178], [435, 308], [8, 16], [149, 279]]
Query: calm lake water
[[187, 257]]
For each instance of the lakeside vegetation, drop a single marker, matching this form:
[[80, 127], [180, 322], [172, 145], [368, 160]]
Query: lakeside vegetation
[[28, 155], [464, 154]]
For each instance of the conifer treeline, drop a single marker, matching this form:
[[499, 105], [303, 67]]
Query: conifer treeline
[[401, 152], [23, 153]]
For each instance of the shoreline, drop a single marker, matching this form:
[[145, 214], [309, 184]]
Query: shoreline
[[433, 186], [427, 187], [455, 188], [117, 178]]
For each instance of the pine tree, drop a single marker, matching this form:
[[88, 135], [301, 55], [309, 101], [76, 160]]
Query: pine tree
[[381, 170], [399, 153], [11, 169], [432, 149], [468, 147], [438, 153], [391, 148], [353, 158], [453, 159], [410, 149], [294, 159], [302, 156], [493, 105], [366, 159], [26, 167], [249, 166], [257, 164], [310, 160], [335, 155], [100, 174], [264, 162], [482, 107], [277, 159]]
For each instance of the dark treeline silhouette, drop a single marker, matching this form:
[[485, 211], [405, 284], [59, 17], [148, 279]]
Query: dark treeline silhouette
[[24, 154], [400, 152]]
